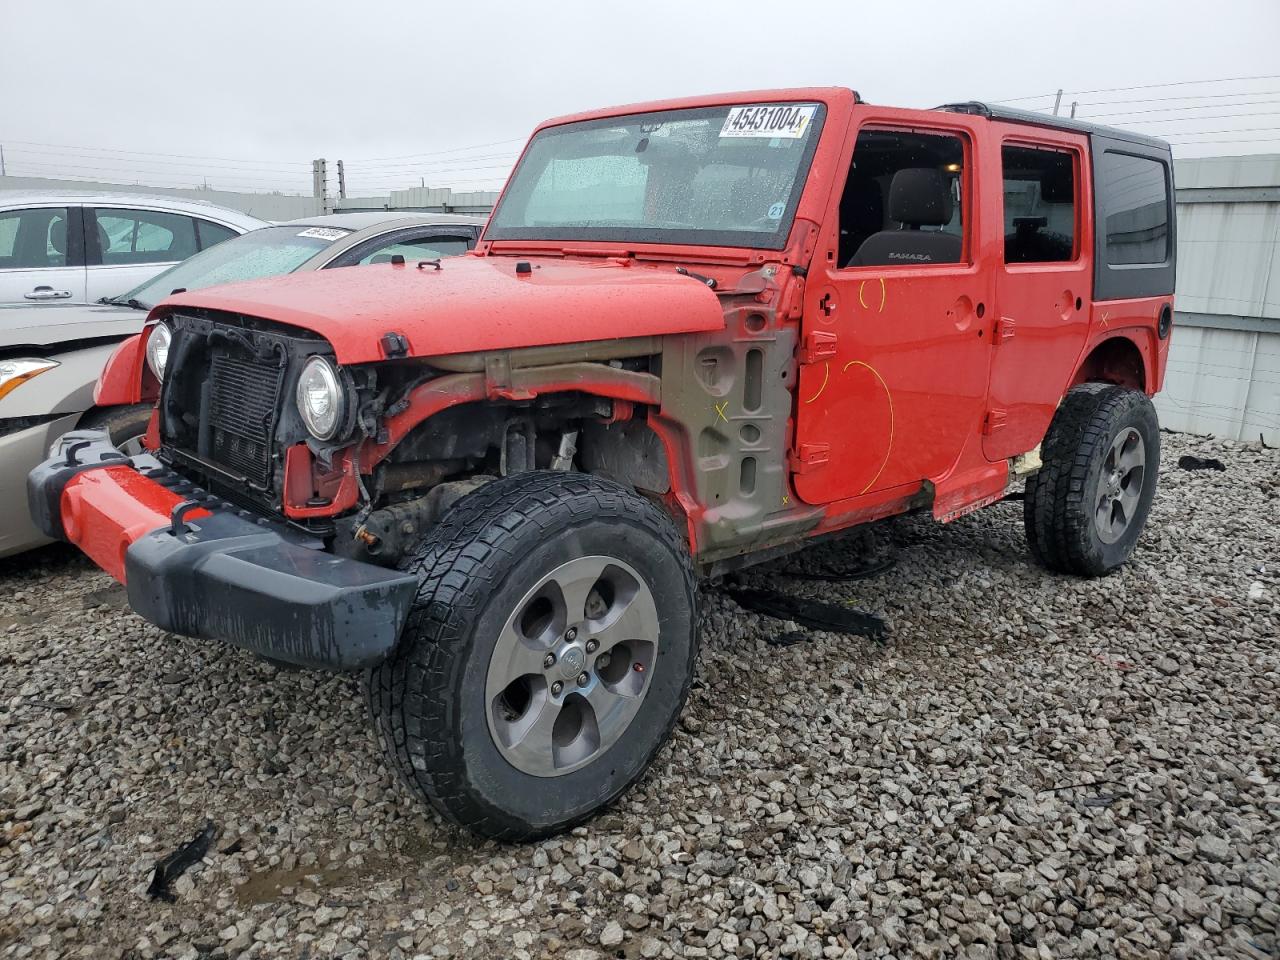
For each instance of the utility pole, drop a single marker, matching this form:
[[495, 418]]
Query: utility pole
[[1, 159], [342, 179], [319, 179], [1057, 102], [1074, 104]]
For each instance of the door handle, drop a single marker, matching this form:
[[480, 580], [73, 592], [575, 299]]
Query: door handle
[[827, 304], [44, 292]]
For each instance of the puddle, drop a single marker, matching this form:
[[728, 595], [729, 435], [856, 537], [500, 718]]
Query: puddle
[[267, 886]]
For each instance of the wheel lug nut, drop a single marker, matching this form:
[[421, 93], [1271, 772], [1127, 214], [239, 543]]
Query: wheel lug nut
[[571, 634], [593, 646], [549, 661], [583, 679], [556, 688]]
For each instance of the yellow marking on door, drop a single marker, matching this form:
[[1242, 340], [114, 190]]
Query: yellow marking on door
[[826, 375], [860, 300], [888, 396], [720, 409], [884, 295]]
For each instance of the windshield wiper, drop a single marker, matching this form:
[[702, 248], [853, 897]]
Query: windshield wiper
[[133, 302], [709, 281]]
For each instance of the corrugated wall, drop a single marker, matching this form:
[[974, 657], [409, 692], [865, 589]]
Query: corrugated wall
[[1224, 361]]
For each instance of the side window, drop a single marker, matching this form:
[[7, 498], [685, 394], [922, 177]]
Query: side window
[[418, 248], [212, 233], [30, 239], [144, 236], [1039, 205], [1135, 198], [903, 202]]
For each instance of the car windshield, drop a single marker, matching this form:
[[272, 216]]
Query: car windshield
[[268, 252], [726, 176]]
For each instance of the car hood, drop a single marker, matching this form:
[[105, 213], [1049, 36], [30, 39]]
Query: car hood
[[472, 304], [55, 323]]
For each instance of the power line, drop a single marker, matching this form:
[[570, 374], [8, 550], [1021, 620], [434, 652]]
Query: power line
[[1202, 106], [1145, 86], [188, 185], [183, 164], [1184, 96], [437, 153], [142, 153]]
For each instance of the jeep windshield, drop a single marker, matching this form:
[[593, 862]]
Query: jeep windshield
[[721, 176]]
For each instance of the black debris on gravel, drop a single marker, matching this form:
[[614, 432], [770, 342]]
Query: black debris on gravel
[[814, 614], [1189, 462], [177, 863]]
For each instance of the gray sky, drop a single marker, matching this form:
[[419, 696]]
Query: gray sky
[[245, 94]]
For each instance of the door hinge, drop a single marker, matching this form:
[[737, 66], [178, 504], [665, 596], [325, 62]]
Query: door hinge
[[818, 345], [809, 457], [1002, 331], [996, 419]]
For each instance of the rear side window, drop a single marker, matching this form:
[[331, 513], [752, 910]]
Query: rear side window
[[424, 248], [1039, 205], [144, 236], [1135, 197]]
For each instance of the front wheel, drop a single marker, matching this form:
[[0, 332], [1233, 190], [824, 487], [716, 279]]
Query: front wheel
[[1086, 508], [547, 657], [125, 426]]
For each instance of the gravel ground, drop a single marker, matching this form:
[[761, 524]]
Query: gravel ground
[[1030, 766]]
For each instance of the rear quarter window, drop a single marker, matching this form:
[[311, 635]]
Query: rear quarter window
[[1134, 228], [1135, 197]]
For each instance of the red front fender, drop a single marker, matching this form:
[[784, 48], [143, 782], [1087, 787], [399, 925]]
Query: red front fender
[[126, 378]]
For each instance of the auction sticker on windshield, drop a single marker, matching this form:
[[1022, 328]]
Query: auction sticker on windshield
[[324, 233], [785, 120]]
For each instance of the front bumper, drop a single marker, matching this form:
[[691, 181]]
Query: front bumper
[[201, 568]]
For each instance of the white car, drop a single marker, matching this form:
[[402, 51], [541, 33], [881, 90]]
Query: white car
[[82, 247]]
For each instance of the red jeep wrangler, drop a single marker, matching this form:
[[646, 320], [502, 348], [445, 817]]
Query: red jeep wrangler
[[695, 335]]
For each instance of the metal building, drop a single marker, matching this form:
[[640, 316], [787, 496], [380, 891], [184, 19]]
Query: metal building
[[1224, 361]]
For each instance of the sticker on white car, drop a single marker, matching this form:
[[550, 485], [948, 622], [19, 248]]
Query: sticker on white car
[[324, 233]]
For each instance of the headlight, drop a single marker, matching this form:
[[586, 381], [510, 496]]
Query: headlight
[[158, 349], [320, 399], [14, 373]]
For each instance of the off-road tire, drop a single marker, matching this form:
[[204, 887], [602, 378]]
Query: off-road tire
[[1058, 510], [122, 424], [427, 700]]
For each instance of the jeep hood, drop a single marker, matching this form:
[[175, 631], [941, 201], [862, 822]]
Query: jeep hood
[[471, 304], [51, 324]]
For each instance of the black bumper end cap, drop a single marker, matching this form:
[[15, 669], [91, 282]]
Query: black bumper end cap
[[229, 579], [79, 450]]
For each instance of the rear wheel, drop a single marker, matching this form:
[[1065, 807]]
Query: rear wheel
[[1086, 508], [547, 656], [126, 426]]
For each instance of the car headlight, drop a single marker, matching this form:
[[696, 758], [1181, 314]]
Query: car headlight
[[15, 372], [320, 398], [158, 349]]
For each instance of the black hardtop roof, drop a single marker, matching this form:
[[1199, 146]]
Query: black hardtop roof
[[1013, 115]]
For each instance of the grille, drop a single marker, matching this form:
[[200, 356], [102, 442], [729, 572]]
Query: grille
[[244, 395]]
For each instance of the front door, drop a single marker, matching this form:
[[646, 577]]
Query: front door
[[1043, 290], [41, 256], [894, 366]]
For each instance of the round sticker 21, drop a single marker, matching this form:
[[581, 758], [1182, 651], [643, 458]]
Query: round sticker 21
[[775, 211]]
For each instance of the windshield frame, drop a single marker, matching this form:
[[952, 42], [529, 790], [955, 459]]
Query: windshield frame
[[750, 239]]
